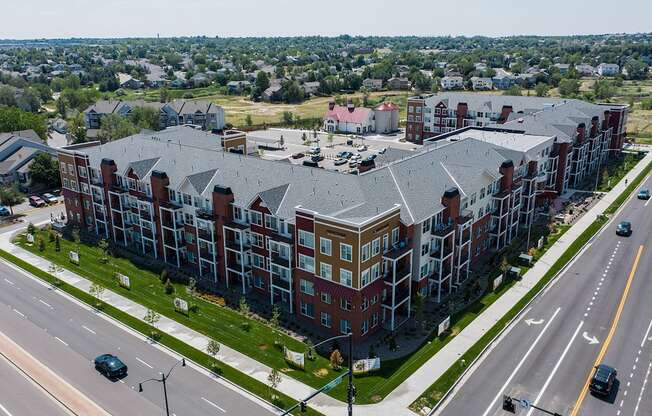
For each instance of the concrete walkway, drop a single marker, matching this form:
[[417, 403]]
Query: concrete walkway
[[397, 401]]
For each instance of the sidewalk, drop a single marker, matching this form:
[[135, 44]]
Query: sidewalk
[[397, 402]]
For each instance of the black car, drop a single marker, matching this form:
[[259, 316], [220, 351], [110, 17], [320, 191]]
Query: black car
[[603, 380], [316, 158], [624, 228], [110, 366]]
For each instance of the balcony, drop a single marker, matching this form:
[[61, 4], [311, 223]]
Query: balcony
[[278, 281], [205, 234], [401, 249], [236, 226], [145, 215], [205, 253], [280, 260], [443, 230], [204, 214], [400, 295], [439, 254], [446, 272], [236, 246], [115, 188], [401, 274]]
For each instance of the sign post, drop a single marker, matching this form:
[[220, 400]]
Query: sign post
[[444, 325], [181, 306]]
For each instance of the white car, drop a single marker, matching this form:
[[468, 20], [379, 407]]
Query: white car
[[355, 157], [361, 148]]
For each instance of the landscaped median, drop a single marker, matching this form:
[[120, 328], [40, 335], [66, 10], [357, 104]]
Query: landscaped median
[[229, 373], [434, 394]]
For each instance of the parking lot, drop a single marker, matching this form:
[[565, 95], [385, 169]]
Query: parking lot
[[292, 146]]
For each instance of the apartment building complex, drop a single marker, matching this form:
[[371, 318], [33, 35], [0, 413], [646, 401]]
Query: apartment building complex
[[342, 252], [207, 115], [585, 133]]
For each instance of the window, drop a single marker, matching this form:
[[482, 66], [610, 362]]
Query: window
[[326, 298], [271, 222], [237, 213], [259, 282], [346, 252], [374, 319], [258, 261], [346, 277], [425, 226], [306, 239], [325, 246], [345, 326], [365, 252], [395, 236], [256, 218], [307, 263], [425, 248], [187, 199], [374, 300], [375, 271], [365, 326], [326, 320], [326, 271], [255, 239], [84, 187], [386, 242], [345, 304], [375, 247], [71, 169], [307, 309], [364, 278], [365, 304], [424, 271], [189, 238], [82, 171]]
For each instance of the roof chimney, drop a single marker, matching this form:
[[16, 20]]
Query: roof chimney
[[350, 106], [331, 105]]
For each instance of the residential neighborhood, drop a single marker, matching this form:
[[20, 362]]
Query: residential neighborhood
[[244, 209]]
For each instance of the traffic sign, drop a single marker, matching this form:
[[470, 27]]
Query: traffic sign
[[334, 383], [525, 404]]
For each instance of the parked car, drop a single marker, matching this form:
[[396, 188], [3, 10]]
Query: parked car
[[603, 380], [361, 148], [644, 194], [624, 228], [110, 365], [339, 162], [297, 155], [344, 155], [355, 157], [317, 158], [372, 156], [36, 201], [310, 163], [314, 150], [353, 163], [382, 151], [4, 211], [49, 198]]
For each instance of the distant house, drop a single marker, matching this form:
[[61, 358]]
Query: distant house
[[349, 119], [236, 87], [126, 81], [585, 69], [563, 68], [373, 84], [206, 114], [503, 80], [480, 66], [156, 80], [59, 125], [273, 93], [199, 80], [481, 84], [17, 151], [608, 70], [452, 82], [398, 83], [310, 87], [526, 80]]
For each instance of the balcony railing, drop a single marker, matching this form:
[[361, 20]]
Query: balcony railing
[[280, 260], [235, 245], [399, 296], [205, 234], [399, 250], [278, 281], [401, 273]]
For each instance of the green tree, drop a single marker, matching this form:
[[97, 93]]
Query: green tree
[[164, 95], [11, 196], [61, 107], [116, 127], [244, 306], [418, 305], [77, 127], [513, 90], [542, 89], [7, 96], [152, 318], [15, 119], [97, 290], [288, 117], [145, 118], [273, 380], [248, 121], [292, 93], [604, 89], [57, 242], [29, 100], [569, 87], [45, 170], [636, 69], [213, 348], [262, 81]]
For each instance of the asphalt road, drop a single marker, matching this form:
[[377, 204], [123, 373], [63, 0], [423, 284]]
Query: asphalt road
[[20, 396], [66, 336], [598, 311]]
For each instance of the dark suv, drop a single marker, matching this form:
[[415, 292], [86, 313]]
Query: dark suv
[[624, 228], [110, 366], [603, 380]]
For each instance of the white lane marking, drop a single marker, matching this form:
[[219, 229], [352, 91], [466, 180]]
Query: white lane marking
[[121, 381], [213, 404], [533, 321], [592, 340], [554, 370], [45, 303], [527, 354], [88, 329], [9, 281], [5, 410], [61, 341], [646, 335], [647, 202], [640, 396], [144, 363], [19, 313]]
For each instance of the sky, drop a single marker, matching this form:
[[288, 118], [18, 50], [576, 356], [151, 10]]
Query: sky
[[31, 19]]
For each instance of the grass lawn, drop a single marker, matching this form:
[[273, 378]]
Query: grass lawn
[[250, 384], [614, 172]]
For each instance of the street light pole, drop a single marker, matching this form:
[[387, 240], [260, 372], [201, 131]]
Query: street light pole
[[164, 378], [350, 388]]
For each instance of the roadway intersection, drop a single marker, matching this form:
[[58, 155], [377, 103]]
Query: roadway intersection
[[597, 311]]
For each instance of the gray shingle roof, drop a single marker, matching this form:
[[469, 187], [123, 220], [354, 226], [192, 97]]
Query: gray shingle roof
[[142, 167], [200, 180]]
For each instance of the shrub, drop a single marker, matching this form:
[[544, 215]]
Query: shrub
[[164, 276], [57, 243], [31, 229], [40, 243], [169, 289]]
